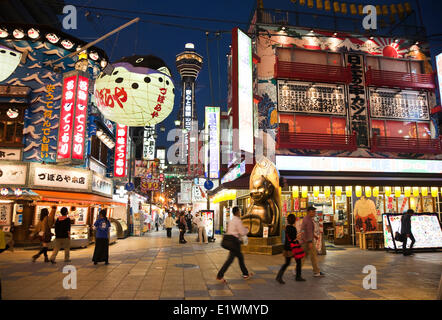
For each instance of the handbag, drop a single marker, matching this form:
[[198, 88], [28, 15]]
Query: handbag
[[398, 237], [298, 252], [230, 242]]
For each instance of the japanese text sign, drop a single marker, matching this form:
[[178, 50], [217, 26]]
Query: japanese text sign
[[120, 151]]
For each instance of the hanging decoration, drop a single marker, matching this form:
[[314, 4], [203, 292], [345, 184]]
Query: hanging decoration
[[376, 192], [397, 192], [348, 191], [295, 192], [338, 191], [368, 192], [424, 191], [387, 191], [434, 192], [415, 191], [407, 191], [138, 93]]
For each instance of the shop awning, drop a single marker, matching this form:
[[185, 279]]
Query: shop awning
[[361, 179], [242, 183], [74, 197]]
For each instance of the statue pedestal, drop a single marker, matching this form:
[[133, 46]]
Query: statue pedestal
[[267, 246]]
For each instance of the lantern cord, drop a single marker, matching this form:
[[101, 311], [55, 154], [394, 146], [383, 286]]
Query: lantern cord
[[208, 65], [115, 44], [136, 39], [218, 36]]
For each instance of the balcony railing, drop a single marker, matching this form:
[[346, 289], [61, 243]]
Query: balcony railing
[[405, 145], [315, 141], [403, 80], [312, 72]]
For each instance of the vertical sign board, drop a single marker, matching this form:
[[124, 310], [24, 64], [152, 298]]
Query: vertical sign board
[[80, 119], [357, 99], [64, 151], [242, 86], [188, 103], [439, 74], [149, 144], [120, 151], [73, 115], [213, 126]]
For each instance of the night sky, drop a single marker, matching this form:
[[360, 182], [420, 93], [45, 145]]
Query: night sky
[[151, 37]]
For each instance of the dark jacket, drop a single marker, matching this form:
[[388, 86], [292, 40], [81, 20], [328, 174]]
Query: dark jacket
[[290, 233], [62, 227], [406, 224]]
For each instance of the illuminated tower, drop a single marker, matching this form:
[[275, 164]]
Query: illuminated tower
[[189, 64]]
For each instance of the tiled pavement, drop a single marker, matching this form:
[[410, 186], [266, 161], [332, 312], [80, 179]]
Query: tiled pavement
[[155, 267]]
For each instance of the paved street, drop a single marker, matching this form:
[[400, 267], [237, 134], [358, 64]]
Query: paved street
[[155, 267]]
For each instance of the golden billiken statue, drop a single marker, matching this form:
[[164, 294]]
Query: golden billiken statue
[[264, 210]]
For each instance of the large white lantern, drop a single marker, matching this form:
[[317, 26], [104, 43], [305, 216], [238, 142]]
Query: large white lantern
[[138, 93], [9, 60]]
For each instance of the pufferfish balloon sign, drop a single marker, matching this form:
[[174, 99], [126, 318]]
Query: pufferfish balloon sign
[[138, 93]]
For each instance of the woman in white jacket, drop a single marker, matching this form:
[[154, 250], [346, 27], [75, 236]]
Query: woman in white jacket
[[236, 229]]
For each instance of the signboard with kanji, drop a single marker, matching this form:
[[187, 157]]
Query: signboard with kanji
[[120, 151]]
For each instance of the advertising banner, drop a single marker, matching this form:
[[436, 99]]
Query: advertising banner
[[295, 96], [213, 127], [357, 98], [149, 144], [120, 151], [13, 174], [80, 118], [66, 118], [439, 73]]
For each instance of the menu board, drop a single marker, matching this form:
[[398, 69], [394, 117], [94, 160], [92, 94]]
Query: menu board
[[207, 217], [425, 228]]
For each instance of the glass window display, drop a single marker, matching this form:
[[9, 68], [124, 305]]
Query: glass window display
[[425, 228]]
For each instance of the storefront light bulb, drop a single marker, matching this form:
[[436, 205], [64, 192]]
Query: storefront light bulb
[[375, 191], [358, 191], [338, 191], [327, 191], [304, 192], [407, 191], [397, 192], [368, 192], [348, 191], [424, 191], [415, 191], [387, 191], [316, 191], [434, 192], [295, 192]]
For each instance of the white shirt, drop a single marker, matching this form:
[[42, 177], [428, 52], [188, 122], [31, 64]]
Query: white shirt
[[199, 222], [236, 228]]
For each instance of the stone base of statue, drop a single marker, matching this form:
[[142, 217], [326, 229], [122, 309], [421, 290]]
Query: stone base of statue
[[267, 246]]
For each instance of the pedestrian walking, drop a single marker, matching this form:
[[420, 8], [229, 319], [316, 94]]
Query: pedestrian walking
[[406, 232], [43, 232], [182, 227], [201, 228], [169, 222], [6, 243], [189, 222], [309, 240], [62, 236], [102, 235], [232, 240], [292, 249], [156, 221]]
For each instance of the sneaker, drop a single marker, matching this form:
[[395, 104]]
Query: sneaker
[[95, 262], [221, 280], [319, 274], [247, 277], [280, 280], [67, 260], [53, 261], [299, 279]]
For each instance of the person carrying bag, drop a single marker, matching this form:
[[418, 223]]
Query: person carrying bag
[[292, 249], [231, 241]]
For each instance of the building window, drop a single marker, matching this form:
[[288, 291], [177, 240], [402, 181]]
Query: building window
[[388, 64], [401, 129], [312, 124], [11, 125], [99, 151]]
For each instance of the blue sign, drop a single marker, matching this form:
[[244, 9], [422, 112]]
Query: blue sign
[[208, 185], [129, 186]]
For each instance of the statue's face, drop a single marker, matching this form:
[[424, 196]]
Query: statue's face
[[262, 189]]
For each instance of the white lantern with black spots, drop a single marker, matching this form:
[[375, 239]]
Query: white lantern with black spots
[[139, 92]]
